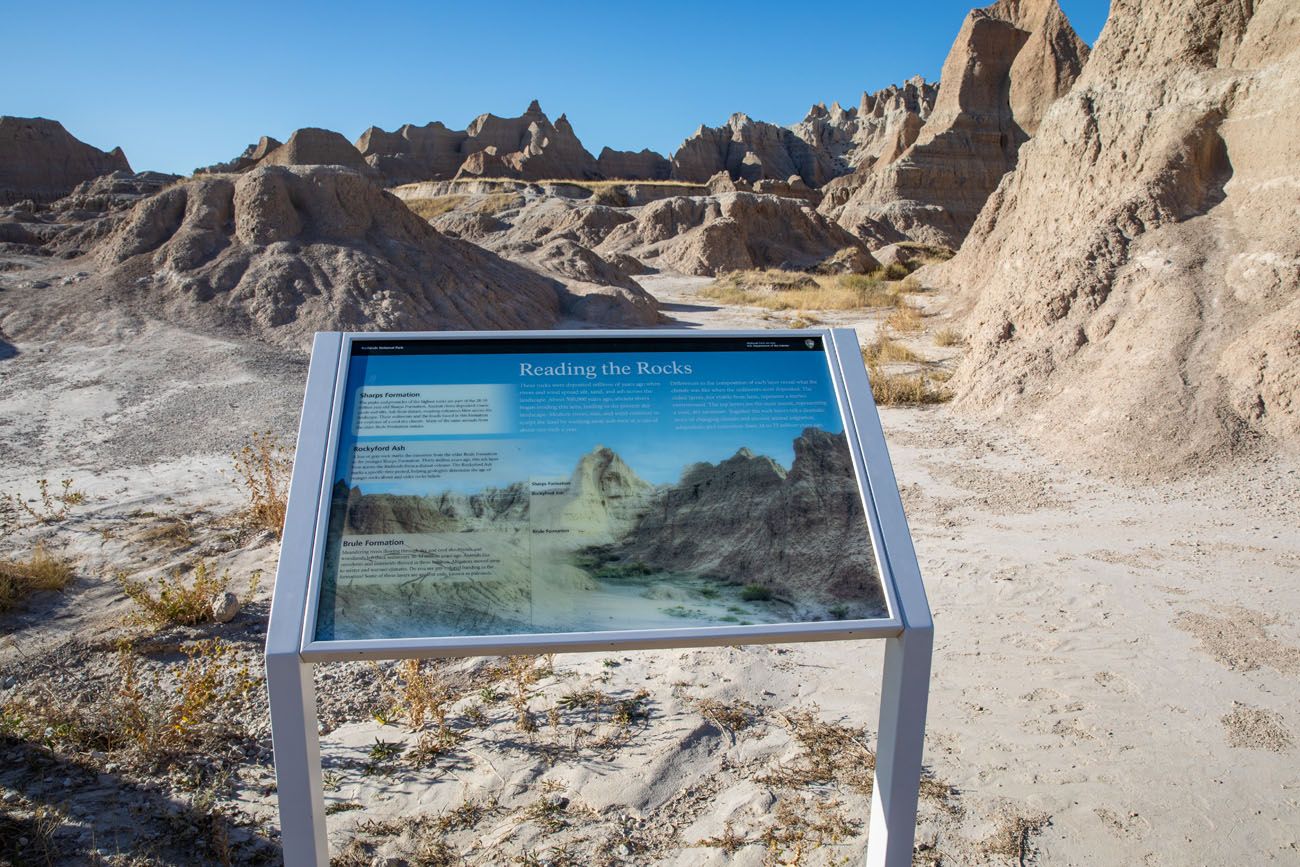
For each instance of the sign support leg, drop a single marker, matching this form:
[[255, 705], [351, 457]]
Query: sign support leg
[[903, 698], [297, 761]]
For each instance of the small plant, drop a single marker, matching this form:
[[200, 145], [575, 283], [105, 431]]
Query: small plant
[[40, 571], [171, 601], [263, 468], [901, 389], [755, 593], [728, 841], [895, 271], [730, 717], [906, 318], [53, 506], [947, 337], [385, 751], [549, 813], [632, 710], [883, 350]]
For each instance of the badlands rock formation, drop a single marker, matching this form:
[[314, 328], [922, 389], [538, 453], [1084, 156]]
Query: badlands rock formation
[[73, 224], [529, 147], [883, 125], [315, 147], [707, 235], [1136, 280], [799, 534], [41, 161], [284, 251], [751, 150], [644, 165], [252, 155], [1008, 63]]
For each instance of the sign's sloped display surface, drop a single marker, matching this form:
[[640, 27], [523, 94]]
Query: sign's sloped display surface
[[532, 485]]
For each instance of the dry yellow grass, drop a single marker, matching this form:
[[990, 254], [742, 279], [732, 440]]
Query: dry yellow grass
[[947, 337], [590, 185], [498, 202], [429, 209], [883, 350], [793, 290], [40, 571], [906, 318], [908, 389]]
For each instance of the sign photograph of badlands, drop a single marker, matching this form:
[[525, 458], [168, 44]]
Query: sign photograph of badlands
[[649, 484]]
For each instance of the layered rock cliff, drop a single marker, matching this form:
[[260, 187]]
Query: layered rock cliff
[[1008, 63], [1136, 280], [288, 250], [41, 161]]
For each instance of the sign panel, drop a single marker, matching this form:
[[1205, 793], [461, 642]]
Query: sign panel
[[535, 485]]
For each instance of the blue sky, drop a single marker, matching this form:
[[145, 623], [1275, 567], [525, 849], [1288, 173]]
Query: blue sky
[[179, 85], [658, 453]]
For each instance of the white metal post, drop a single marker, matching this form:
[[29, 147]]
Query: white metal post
[[901, 737], [905, 692], [292, 695], [297, 761]]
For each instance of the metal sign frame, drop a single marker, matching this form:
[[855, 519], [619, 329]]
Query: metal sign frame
[[291, 650]]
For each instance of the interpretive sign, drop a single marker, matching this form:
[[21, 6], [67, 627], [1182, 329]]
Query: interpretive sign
[[496, 487], [464, 494]]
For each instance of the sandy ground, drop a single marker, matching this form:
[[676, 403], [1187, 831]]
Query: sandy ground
[[1116, 679]]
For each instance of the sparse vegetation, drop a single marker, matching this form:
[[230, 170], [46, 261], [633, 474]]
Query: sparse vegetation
[[495, 203], [50, 506], [884, 350], [917, 388], [171, 600], [1013, 836], [829, 753], [947, 337], [906, 318], [731, 717], [755, 593], [41, 570], [156, 721], [263, 468], [794, 290], [432, 208]]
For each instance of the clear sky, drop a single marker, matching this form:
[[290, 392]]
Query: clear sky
[[179, 85]]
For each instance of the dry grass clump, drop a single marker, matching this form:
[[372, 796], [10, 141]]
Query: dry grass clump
[[191, 710], [947, 337], [1013, 836], [829, 753], [884, 350], [171, 600], [906, 318], [775, 289], [730, 717], [430, 209], [908, 389], [40, 571], [495, 203], [927, 254], [263, 468]]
